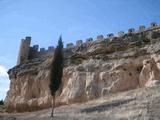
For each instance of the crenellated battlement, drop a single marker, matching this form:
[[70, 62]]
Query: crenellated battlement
[[142, 28], [133, 36], [79, 42]]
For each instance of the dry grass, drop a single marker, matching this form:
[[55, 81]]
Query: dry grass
[[139, 104]]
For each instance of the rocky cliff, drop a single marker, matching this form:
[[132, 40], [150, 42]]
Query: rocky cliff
[[128, 62]]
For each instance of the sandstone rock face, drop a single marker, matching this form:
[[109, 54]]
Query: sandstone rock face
[[150, 74], [86, 76]]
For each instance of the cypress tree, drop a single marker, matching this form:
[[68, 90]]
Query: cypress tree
[[56, 71], [1, 102]]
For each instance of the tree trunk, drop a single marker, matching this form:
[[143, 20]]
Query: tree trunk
[[53, 104]]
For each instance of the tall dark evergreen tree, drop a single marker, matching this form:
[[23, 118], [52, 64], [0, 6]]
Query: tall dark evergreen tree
[[1, 102], [56, 71]]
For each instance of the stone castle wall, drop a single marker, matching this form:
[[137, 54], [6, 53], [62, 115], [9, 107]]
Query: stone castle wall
[[36, 53], [131, 37]]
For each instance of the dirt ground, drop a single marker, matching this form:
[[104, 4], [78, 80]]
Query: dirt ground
[[139, 104]]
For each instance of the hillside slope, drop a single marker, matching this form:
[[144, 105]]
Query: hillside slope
[[139, 104]]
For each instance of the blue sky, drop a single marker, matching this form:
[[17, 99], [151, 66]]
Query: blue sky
[[45, 20]]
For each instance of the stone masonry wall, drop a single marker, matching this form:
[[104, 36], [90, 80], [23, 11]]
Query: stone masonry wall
[[133, 37]]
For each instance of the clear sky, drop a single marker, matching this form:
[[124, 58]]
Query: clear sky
[[45, 20]]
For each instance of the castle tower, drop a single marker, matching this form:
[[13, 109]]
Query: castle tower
[[24, 50]]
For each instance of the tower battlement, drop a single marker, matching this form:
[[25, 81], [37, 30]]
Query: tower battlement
[[24, 50]]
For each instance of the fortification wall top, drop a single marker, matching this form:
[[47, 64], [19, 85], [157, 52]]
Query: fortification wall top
[[142, 28], [131, 30], [100, 37], [110, 35], [121, 34], [89, 40], [79, 42], [35, 52]]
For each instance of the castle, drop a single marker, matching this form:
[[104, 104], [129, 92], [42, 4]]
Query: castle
[[133, 37], [92, 69]]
